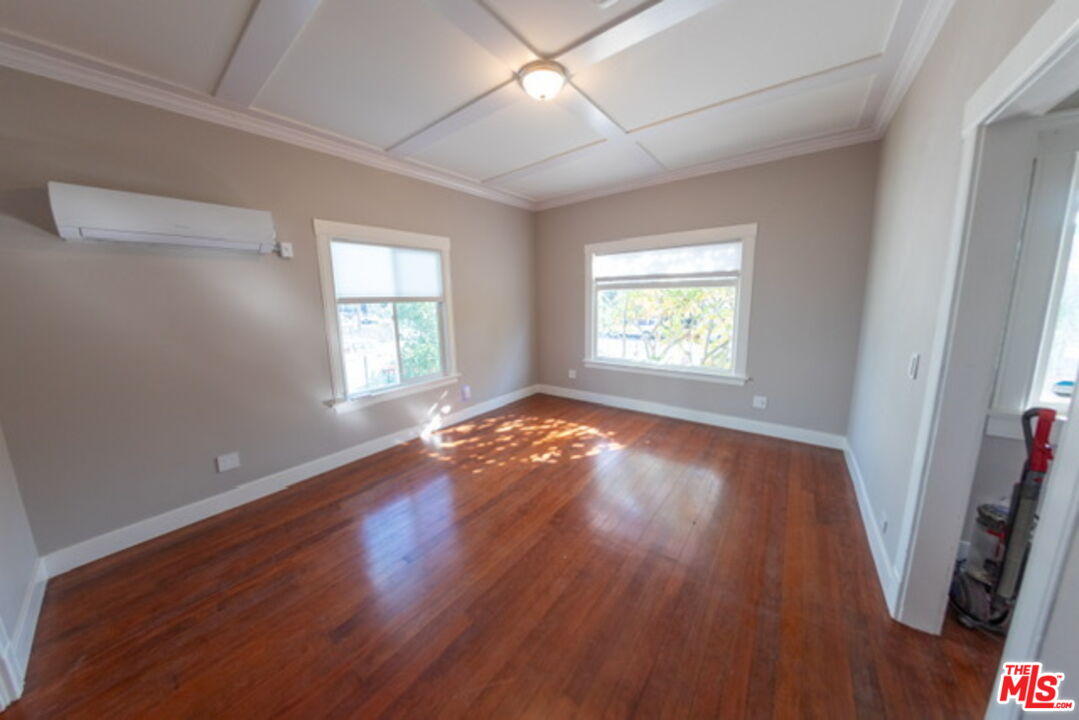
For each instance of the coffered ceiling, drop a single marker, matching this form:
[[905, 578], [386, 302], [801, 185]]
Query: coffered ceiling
[[658, 90]]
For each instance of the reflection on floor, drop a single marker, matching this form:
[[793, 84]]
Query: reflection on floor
[[552, 559]]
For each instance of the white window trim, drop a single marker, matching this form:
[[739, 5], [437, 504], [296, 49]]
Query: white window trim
[[1008, 424], [746, 234], [327, 231]]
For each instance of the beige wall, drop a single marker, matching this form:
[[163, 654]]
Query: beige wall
[[814, 215], [124, 371], [916, 200]]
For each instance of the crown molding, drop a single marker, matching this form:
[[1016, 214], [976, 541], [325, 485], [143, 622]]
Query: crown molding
[[38, 58], [806, 146], [931, 19], [922, 39], [47, 61]]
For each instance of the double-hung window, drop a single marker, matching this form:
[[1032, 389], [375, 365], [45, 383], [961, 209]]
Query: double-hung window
[[386, 297], [672, 304]]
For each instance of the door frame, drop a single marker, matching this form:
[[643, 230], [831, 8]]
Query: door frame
[[1039, 72]]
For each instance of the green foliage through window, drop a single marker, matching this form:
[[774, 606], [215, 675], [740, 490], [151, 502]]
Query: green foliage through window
[[680, 326], [417, 329]]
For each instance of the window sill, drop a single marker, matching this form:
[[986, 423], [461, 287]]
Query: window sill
[[399, 391], [667, 372], [1008, 424]]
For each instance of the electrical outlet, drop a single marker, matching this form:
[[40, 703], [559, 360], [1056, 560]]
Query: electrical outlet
[[466, 392], [760, 402], [912, 366], [228, 461], [286, 250], [572, 374]]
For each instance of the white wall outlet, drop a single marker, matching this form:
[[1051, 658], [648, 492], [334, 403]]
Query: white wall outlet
[[760, 402], [572, 374], [286, 250], [912, 366], [228, 461], [466, 392]]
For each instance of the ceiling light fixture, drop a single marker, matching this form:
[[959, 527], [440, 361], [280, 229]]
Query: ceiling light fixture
[[542, 79]]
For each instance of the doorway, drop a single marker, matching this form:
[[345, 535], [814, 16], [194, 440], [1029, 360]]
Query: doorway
[[1036, 360], [1036, 79]]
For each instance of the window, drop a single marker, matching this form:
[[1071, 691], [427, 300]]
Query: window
[[672, 304], [1039, 357], [386, 295], [1058, 358]]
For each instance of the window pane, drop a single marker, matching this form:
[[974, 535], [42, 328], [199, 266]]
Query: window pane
[[421, 347], [681, 327], [721, 257], [362, 270], [368, 346], [1063, 360], [419, 273]]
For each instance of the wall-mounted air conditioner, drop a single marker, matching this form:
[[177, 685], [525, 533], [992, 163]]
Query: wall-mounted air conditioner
[[87, 213]]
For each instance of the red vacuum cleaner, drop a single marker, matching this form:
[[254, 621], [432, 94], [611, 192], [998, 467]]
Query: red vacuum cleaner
[[986, 583]]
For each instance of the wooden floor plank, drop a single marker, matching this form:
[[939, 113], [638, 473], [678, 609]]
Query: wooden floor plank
[[550, 559]]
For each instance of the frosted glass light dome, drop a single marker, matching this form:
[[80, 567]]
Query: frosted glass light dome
[[542, 79]]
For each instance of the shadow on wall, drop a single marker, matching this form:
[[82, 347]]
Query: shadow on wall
[[29, 206]]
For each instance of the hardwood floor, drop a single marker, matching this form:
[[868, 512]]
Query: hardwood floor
[[552, 559]]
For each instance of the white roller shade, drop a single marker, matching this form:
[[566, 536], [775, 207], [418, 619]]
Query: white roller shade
[[687, 260], [380, 271]]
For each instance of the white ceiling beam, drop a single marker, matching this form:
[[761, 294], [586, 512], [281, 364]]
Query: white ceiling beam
[[581, 153], [502, 96], [860, 68], [37, 58], [483, 26], [756, 157], [635, 29], [582, 106], [865, 67], [269, 33], [490, 32]]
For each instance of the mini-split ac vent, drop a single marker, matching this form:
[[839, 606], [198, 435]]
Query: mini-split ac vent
[[88, 213]]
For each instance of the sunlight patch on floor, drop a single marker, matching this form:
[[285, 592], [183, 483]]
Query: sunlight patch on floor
[[503, 440]]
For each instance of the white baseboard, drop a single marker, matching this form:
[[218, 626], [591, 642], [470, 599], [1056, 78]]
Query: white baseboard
[[886, 573], [731, 422], [9, 680], [23, 639], [73, 556], [114, 541], [87, 551], [15, 650]]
